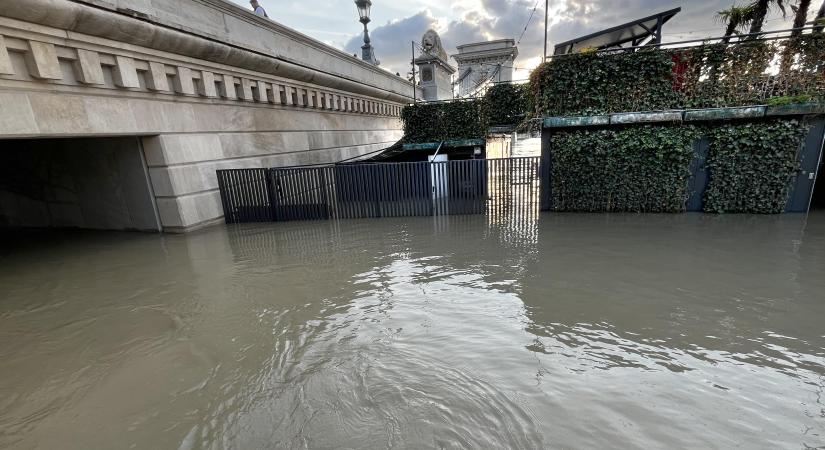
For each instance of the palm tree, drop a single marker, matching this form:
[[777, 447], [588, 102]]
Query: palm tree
[[760, 12], [800, 20], [801, 17], [737, 18], [820, 19]]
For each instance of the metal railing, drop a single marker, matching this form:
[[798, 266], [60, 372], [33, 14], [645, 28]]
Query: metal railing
[[356, 191], [739, 38]]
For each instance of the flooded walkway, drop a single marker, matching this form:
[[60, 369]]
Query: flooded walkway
[[564, 331]]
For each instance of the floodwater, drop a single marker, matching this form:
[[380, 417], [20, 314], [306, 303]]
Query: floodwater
[[569, 331]]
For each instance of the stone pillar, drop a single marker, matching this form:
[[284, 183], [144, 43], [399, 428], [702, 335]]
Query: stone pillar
[[435, 73], [435, 76]]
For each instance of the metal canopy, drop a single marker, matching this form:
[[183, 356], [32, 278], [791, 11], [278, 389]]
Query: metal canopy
[[638, 32]]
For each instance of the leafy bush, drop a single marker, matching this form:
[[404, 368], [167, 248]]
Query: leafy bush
[[636, 169], [436, 122], [752, 166]]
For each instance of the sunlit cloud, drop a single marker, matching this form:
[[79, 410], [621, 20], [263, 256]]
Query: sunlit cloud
[[465, 21]]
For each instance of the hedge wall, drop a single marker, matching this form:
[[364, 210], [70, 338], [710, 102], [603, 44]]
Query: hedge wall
[[647, 168], [502, 105], [638, 169], [436, 122], [508, 104], [598, 83], [752, 166]]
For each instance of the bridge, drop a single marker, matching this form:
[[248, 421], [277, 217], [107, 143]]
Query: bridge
[[116, 114]]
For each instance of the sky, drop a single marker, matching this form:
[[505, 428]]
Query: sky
[[395, 23]]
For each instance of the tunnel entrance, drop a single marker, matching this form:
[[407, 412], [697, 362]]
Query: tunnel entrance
[[89, 183]]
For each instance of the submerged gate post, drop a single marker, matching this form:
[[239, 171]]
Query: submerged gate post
[[545, 171], [699, 175], [810, 156], [270, 192]]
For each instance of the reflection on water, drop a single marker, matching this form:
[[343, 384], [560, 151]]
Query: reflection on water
[[450, 332]]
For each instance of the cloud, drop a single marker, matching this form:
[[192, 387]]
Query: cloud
[[493, 20], [480, 20], [392, 41]]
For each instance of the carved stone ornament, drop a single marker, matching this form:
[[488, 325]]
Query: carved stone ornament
[[431, 43]]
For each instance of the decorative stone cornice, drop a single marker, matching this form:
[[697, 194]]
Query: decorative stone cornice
[[486, 55], [238, 11], [143, 72], [73, 16], [481, 52], [432, 59]]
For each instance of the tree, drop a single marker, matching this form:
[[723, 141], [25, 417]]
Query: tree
[[760, 11], [800, 20], [801, 16], [820, 19], [736, 20]]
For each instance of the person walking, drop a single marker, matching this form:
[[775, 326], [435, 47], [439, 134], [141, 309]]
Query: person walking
[[259, 10]]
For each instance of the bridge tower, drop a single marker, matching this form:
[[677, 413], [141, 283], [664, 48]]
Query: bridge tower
[[483, 63]]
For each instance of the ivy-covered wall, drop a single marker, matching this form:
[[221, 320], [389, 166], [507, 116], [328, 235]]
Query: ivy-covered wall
[[747, 73], [706, 76], [636, 169], [596, 83], [508, 104], [647, 168], [502, 105], [444, 121], [752, 166]]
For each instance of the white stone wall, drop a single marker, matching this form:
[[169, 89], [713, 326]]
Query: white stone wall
[[182, 165], [229, 22], [193, 116], [217, 31]]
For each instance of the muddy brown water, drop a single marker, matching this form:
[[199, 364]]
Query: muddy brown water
[[562, 331]]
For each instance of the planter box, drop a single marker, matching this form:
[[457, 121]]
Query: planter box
[[567, 122], [749, 112]]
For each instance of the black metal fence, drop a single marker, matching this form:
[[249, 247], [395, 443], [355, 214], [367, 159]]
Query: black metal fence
[[354, 191]]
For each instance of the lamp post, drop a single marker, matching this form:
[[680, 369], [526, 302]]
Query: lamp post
[[367, 53], [546, 15]]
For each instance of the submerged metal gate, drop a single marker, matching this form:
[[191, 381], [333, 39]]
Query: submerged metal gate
[[354, 191]]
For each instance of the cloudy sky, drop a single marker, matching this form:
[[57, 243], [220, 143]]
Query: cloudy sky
[[397, 22]]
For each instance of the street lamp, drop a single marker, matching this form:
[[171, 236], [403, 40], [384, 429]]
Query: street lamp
[[367, 53]]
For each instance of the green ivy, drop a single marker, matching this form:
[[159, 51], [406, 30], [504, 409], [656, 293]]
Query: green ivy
[[752, 166], [790, 100], [597, 83], [705, 76], [436, 122], [636, 169], [507, 104]]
